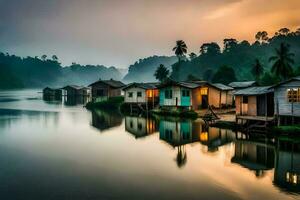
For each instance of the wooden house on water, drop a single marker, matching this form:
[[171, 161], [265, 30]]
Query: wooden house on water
[[102, 90], [75, 91], [287, 101], [194, 95], [142, 93], [140, 127], [51, 92], [254, 104]]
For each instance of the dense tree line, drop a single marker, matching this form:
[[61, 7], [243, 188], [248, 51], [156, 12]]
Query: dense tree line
[[268, 60], [35, 72]]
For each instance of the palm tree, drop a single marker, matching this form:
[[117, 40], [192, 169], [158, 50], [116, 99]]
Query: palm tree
[[257, 69], [283, 61], [161, 73], [180, 49]]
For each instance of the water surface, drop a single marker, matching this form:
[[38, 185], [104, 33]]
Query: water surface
[[56, 149]]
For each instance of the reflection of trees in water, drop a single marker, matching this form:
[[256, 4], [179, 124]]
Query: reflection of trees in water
[[181, 157]]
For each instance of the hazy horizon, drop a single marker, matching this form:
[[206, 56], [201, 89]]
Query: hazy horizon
[[117, 33]]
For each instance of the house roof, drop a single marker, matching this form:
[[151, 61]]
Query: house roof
[[222, 86], [111, 82], [76, 87], [195, 84], [297, 78], [142, 85], [254, 91], [242, 84]]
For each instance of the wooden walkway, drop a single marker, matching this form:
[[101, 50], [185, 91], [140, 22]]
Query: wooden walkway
[[255, 118]]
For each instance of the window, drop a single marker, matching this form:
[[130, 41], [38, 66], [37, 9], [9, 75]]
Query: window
[[245, 99], [168, 94], [130, 94], [204, 91], [185, 93], [100, 93], [293, 95], [139, 94], [140, 126]]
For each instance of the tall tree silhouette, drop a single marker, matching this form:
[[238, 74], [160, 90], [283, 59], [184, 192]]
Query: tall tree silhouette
[[180, 49], [261, 37], [161, 73], [257, 69], [283, 61]]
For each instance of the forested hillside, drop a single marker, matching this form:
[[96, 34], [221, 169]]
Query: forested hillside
[[34, 72], [143, 70], [240, 56]]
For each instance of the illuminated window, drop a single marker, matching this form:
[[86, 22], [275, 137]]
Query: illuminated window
[[204, 91], [292, 178], [293, 95], [204, 136]]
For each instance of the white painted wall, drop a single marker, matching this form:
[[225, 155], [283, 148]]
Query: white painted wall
[[134, 98]]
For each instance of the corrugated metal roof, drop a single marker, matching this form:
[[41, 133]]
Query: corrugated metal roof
[[142, 85], [254, 91], [111, 82], [297, 78], [222, 86], [242, 84]]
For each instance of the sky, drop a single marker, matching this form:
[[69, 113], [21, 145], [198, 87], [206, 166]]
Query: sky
[[119, 32]]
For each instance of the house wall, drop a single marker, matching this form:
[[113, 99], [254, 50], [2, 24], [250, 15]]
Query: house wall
[[134, 98], [108, 91], [176, 95], [246, 109], [214, 97], [282, 105]]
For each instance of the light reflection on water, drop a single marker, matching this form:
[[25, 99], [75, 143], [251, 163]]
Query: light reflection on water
[[51, 150]]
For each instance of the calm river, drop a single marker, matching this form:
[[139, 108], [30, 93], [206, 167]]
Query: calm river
[[59, 150]]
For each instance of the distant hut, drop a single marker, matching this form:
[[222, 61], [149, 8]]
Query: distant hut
[[242, 84], [75, 91], [287, 101], [255, 103], [102, 90], [50, 92], [194, 94], [142, 93]]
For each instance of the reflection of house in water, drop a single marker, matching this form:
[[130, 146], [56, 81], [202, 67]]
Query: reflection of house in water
[[103, 120], [215, 137], [75, 100], [287, 166], [139, 126], [254, 156], [179, 133]]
